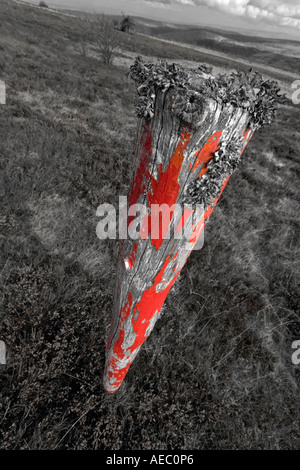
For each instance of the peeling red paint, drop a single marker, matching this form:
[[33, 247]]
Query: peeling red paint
[[206, 153], [124, 313], [246, 133], [166, 188], [117, 374], [151, 304], [247, 136]]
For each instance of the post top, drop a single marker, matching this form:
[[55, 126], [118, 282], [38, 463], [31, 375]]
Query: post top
[[248, 90]]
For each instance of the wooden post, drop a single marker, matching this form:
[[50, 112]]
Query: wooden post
[[193, 129]]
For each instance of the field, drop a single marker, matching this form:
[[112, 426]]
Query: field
[[216, 372]]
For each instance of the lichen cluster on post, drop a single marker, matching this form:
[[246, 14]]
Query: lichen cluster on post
[[247, 90], [193, 129], [242, 89]]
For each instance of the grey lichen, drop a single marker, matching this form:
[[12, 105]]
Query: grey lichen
[[205, 189], [152, 77], [247, 90]]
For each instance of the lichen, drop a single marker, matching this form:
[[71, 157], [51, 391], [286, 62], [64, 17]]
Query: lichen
[[205, 189], [246, 90], [150, 78]]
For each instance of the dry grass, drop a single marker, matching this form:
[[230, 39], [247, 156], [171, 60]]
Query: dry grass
[[216, 372]]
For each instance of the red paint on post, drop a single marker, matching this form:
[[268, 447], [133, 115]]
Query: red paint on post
[[150, 304], [206, 153], [124, 313], [144, 311], [137, 317], [247, 136], [132, 256], [165, 189], [118, 375]]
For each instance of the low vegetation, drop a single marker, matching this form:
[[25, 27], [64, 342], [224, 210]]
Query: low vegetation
[[216, 372]]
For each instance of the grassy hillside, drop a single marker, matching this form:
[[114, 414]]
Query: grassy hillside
[[216, 373]]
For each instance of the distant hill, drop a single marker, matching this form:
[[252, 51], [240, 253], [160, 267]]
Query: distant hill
[[283, 54], [280, 53]]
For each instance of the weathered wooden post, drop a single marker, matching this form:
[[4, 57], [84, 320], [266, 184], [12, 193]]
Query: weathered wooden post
[[192, 131]]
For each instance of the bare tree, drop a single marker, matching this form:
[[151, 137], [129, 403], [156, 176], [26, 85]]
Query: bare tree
[[106, 38]]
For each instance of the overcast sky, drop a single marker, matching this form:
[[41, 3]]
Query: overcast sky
[[274, 16]]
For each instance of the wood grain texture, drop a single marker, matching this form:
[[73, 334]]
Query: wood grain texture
[[183, 151]]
